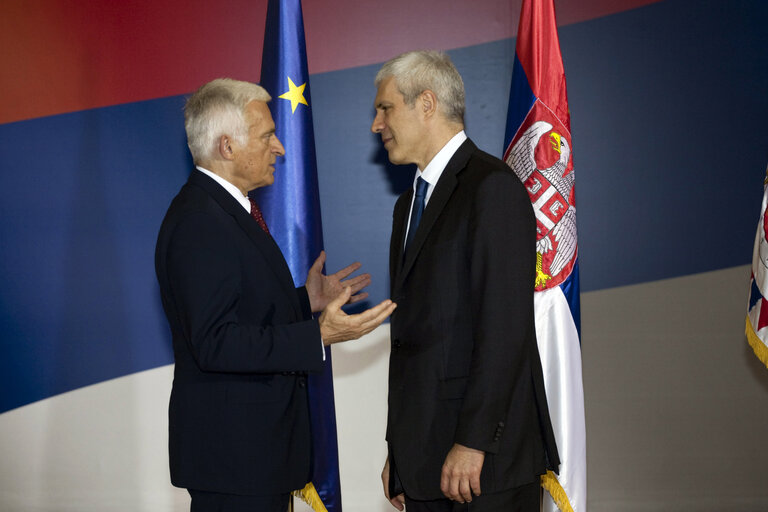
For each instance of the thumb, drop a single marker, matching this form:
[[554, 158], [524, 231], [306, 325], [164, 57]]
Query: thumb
[[340, 299]]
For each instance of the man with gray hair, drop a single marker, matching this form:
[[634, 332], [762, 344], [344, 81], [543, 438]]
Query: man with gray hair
[[468, 418], [244, 338]]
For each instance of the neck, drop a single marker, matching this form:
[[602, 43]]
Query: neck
[[226, 172], [439, 137]]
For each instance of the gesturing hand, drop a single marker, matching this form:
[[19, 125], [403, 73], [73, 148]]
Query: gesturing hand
[[336, 325], [322, 289], [461, 473]]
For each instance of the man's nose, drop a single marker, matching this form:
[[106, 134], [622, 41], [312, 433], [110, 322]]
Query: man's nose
[[377, 124], [277, 146]]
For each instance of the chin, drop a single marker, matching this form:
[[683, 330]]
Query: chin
[[393, 157]]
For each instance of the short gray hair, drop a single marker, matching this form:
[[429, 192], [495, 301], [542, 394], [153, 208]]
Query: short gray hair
[[216, 109], [417, 71]]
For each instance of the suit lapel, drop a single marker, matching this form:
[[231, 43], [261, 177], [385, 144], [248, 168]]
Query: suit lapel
[[399, 218], [440, 196], [263, 242]]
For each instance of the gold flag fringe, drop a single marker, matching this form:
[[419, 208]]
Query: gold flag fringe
[[552, 485], [761, 351], [309, 496]]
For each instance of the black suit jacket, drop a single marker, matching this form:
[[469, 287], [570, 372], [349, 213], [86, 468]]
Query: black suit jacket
[[464, 363], [243, 340]]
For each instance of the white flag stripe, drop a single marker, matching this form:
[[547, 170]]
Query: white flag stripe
[[560, 353]]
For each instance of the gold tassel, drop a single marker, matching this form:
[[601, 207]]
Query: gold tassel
[[761, 351], [552, 485], [309, 496]]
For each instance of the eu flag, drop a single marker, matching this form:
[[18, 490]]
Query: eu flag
[[291, 207]]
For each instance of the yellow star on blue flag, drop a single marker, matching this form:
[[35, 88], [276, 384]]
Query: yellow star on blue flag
[[295, 95]]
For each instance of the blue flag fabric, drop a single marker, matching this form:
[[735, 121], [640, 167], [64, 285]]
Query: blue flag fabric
[[291, 207]]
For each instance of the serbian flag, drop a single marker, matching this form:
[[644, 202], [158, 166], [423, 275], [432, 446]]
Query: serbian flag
[[291, 207], [539, 150], [757, 309]]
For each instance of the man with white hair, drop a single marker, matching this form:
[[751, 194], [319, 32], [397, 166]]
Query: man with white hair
[[244, 338], [468, 419]]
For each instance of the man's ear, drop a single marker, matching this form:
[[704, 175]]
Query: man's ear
[[428, 103], [225, 148]]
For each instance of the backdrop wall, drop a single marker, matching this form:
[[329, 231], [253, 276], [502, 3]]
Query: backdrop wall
[[668, 103]]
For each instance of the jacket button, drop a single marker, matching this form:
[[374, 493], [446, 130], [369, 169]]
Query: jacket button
[[302, 383], [396, 343]]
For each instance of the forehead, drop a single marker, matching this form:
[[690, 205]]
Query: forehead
[[387, 92], [257, 114]]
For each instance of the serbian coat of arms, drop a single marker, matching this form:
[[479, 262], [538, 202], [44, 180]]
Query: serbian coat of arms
[[540, 155]]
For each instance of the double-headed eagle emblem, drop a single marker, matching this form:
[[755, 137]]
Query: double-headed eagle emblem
[[551, 192]]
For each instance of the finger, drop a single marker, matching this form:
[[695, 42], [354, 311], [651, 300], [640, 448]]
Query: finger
[[341, 274], [385, 482], [371, 314], [398, 501], [464, 490], [372, 324], [448, 483], [474, 482], [357, 282], [445, 483], [317, 266], [358, 297], [453, 489], [376, 321], [340, 299]]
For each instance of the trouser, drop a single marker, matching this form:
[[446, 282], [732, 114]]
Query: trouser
[[214, 502], [526, 498]]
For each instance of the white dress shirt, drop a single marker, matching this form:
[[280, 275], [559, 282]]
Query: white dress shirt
[[431, 174]]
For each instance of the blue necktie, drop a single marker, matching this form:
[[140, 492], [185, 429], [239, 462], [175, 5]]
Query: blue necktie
[[417, 209]]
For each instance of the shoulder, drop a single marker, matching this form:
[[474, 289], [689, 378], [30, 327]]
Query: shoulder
[[193, 210], [492, 176]]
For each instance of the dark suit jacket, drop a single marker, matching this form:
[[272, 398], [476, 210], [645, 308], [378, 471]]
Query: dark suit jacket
[[243, 340], [464, 366]]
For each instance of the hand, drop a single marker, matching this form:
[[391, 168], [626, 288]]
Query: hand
[[322, 289], [396, 501], [336, 325], [461, 473]]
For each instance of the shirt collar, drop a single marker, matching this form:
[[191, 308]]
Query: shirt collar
[[431, 174], [229, 187]]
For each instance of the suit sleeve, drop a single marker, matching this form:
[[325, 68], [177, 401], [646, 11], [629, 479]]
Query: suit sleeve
[[502, 258], [204, 270]]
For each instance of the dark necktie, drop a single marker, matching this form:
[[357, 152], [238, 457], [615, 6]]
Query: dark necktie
[[418, 208], [257, 216]]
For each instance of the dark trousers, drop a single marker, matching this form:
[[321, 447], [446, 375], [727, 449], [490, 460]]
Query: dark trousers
[[214, 502], [526, 498]]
